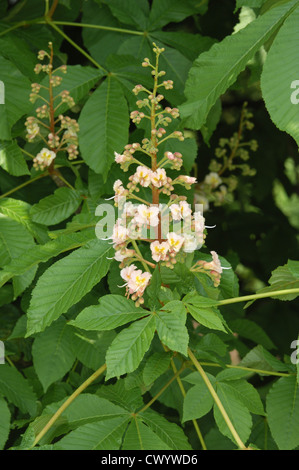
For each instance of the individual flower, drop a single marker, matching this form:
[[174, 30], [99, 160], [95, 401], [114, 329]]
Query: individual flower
[[138, 282], [159, 178], [201, 199], [175, 242], [190, 243], [148, 215], [213, 179], [215, 264], [187, 179], [120, 234], [119, 158], [159, 250], [44, 158], [142, 176], [180, 211], [126, 273]]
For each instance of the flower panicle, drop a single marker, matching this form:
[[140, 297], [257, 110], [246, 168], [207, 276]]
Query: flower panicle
[[157, 224], [43, 126]]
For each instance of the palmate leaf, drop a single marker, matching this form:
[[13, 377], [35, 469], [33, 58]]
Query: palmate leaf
[[279, 90], [103, 435], [4, 422], [128, 348], [217, 69], [282, 405], [66, 282], [104, 124], [53, 352], [112, 311], [57, 207], [12, 160]]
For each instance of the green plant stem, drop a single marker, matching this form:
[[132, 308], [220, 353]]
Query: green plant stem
[[162, 390], [183, 392], [249, 369], [52, 9], [67, 38], [96, 26], [134, 243], [23, 185], [65, 181], [262, 295], [67, 403], [217, 401]]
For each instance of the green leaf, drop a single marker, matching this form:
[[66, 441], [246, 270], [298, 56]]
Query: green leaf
[[197, 402], [155, 366], [42, 253], [130, 12], [15, 240], [280, 92], [170, 321], [57, 207], [236, 410], [217, 69], [78, 81], [282, 406], [12, 160], [168, 11], [112, 311], [53, 353], [91, 347], [188, 44], [129, 347], [104, 124], [11, 382], [260, 358], [66, 282], [245, 391], [170, 433], [16, 97], [4, 423], [141, 437], [103, 435], [283, 278], [206, 316], [251, 330]]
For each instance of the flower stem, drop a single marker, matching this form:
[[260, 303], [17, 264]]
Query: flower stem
[[67, 38], [262, 295], [67, 403], [23, 185], [217, 401]]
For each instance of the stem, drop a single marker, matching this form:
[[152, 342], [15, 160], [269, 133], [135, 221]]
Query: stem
[[67, 38], [162, 390], [52, 9], [95, 26], [23, 185], [262, 295], [139, 253], [183, 392], [63, 407], [217, 400], [250, 370]]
